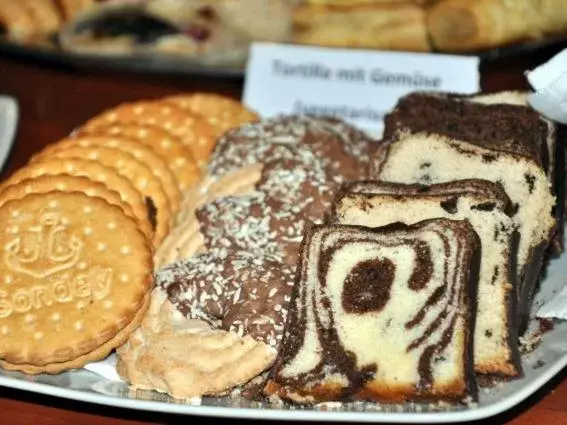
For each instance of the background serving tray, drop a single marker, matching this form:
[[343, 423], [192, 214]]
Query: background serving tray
[[541, 365], [50, 53]]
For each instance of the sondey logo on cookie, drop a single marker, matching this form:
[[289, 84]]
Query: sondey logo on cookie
[[48, 253], [44, 249]]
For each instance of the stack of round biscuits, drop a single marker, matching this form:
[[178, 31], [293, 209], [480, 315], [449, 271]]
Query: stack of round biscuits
[[82, 220]]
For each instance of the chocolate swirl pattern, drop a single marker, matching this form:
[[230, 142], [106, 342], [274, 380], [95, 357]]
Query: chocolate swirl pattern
[[432, 138], [382, 314], [483, 204]]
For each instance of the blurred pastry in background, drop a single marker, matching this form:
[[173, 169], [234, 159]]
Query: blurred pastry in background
[[71, 8], [44, 14], [261, 20], [392, 26], [125, 29], [25, 19], [220, 32], [15, 21], [359, 2], [214, 29], [468, 25]]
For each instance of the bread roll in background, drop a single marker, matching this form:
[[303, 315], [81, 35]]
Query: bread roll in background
[[359, 2], [468, 25], [22, 20], [392, 26], [15, 20], [44, 14]]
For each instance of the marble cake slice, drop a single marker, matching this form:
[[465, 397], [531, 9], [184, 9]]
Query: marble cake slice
[[434, 139], [485, 205], [552, 151], [553, 158], [384, 314]]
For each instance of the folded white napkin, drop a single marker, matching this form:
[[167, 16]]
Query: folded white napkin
[[105, 368], [9, 114], [556, 307], [549, 82]]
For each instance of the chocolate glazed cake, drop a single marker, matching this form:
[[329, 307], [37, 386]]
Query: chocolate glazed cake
[[484, 205], [432, 139], [384, 314], [344, 150]]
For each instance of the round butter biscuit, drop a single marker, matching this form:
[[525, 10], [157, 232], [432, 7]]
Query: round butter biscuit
[[141, 152], [74, 273], [222, 113], [139, 175], [95, 355], [94, 171], [64, 183], [169, 147], [193, 130]]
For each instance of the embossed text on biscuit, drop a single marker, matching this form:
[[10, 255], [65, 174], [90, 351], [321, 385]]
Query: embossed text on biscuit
[[95, 284], [43, 250]]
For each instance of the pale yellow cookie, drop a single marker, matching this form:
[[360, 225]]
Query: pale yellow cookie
[[74, 273], [186, 358], [96, 172], [64, 183], [139, 175], [94, 356], [192, 129], [141, 152], [176, 154], [223, 113]]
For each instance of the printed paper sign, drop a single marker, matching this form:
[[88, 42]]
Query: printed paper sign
[[356, 85]]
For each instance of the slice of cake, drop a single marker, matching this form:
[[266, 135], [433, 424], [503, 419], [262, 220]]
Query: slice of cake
[[553, 157], [552, 152], [483, 204], [432, 139], [384, 314]]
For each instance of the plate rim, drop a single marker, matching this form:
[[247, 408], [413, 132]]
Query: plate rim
[[10, 111], [298, 414]]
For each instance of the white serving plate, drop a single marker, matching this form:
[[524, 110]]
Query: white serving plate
[[541, 365], [9, 113]]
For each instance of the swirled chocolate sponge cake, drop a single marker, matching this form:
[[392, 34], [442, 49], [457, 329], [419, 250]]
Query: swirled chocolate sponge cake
[[553, 157], [384, 314], [434, 139], [484, 205]]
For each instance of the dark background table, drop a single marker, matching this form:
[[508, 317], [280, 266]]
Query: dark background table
[[55, 100]]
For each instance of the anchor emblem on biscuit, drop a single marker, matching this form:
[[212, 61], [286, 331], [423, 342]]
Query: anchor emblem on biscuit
[[47, 246]]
